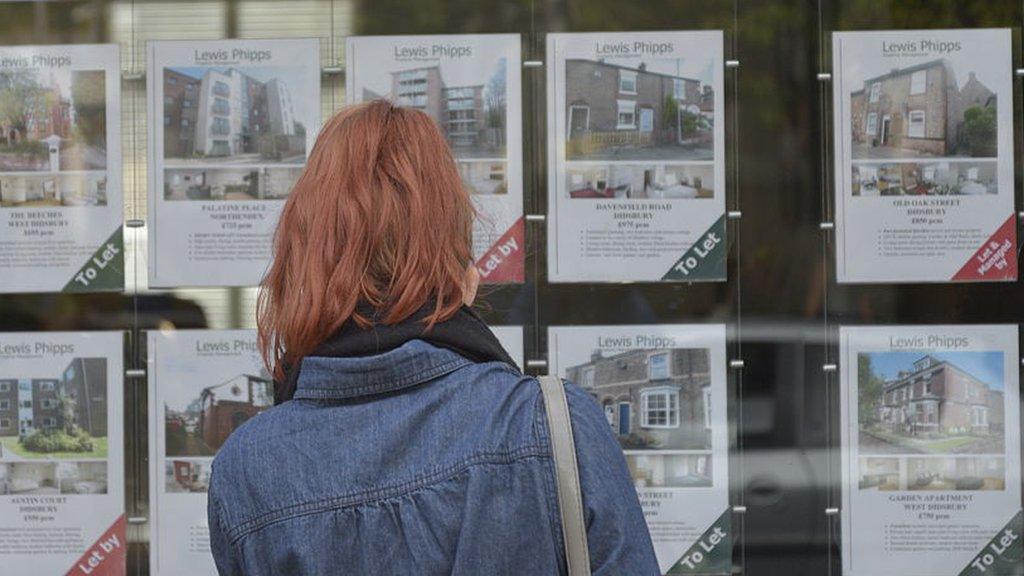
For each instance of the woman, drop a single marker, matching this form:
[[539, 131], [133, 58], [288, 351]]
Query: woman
[[405, 440]]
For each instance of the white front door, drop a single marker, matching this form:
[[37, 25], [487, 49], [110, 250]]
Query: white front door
[[647, 120]]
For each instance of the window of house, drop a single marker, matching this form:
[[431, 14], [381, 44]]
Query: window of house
[[172, 80], [609, 414], [49, 404], [167, 120], [25, 404], [49, 422], [872, 124], [627, 81], [706, 396], [5, 423], [587, 377], [221, 88], [972, 173], [186, 103], [657, 366], [678, 89], [46, 386], [918, 82], [627, 114], [876, 91], [5, 386], [659, 408], [168, 100], [184, 123], [5, 404], [915, 126]]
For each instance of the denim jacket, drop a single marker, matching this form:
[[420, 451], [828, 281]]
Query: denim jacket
[[417, 461]]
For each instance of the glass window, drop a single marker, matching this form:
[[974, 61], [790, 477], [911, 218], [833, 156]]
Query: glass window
[[627, 114], [658, 366], [915, 126], [660, 408], [876, 91], [627, 81], [5, 404], [918, 82], [872, 124]]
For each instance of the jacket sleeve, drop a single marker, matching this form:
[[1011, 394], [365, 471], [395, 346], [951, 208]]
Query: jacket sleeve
[[617, 533], [224, 554]]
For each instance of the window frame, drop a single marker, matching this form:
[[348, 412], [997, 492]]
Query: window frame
[[625, 74], [875, 92], [918, 82], [911, 124], [671, 408], [668, 365], [620, 104]]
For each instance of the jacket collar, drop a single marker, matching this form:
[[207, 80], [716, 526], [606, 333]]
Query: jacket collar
[[411, 364]]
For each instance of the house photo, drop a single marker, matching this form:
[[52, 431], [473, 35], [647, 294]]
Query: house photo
[[653, 399], [881, 474], [62, 417], [17, 478], [657, 181], [925, 179], [670, 470], [200, 426], [187, 475], [969, 473], [618, 109], [485, 177], [940, 403], [82, 477], [53, 120], [927, 109], [206, 184], [232, 116]]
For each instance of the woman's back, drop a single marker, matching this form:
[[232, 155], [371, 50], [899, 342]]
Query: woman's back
[[416, 461]]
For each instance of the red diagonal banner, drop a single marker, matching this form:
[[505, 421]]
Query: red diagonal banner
[[106, 557], [996, 259], [504, 261]]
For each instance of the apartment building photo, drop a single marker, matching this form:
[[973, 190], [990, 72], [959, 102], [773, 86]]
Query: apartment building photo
[[615, 111], [936, 397], [653, 399], [226, 406], [31, 404], [230, 115], [920, 110]]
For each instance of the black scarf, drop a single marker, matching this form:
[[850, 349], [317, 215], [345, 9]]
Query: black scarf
[[465, 333]]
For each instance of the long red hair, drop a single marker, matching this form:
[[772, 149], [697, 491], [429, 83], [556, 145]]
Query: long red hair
[[378, 218]]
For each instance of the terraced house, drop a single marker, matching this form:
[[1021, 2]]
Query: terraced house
[[658, 399], [31, 404], [938, 397]]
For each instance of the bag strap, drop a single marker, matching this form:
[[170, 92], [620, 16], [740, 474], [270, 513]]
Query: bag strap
[[570, 497]]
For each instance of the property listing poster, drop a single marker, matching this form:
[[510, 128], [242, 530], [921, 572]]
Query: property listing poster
[[930, 451], [636, 131], [203, 385], [663, 391], [60, 169], [232, 123], [62, 453], [924, 156], [511, 339], [470, 86]]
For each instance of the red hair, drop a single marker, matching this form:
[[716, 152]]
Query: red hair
[[378, 218]]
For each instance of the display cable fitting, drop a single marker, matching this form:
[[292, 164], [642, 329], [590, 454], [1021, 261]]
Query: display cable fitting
[[736, 364], [134, 223], [135, 373], [734, 214], [831, 511], [732, 63], [536, 218], [533, 63], [829, 368], [538, 364], [824, 77], [827, 225]]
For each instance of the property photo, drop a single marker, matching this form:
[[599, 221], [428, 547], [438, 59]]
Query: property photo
[[670, 470], [653, 399], [64, 417], [963, 473], [469, 103], [59, 189], [925, 179], [52, 120], [184, 476], [82, 477], [17, 478], [199, 424], [656, 181], [657, 109], [936, 108], [944, 403], [229, 183], [485, 177], [880, 474], [239, 115]]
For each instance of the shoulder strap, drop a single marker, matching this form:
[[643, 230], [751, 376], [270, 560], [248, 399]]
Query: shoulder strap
[[570, 497]]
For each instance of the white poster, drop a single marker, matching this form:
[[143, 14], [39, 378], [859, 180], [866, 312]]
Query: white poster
[[511, 339], [231, 124], [663, 391], [924, 156], [60, 169], [203, 385], [470, 86], [930, 450], [636, 156], [62, 453]]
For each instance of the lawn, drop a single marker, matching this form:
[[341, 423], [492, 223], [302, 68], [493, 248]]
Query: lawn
[[11, 443], [948, 445]]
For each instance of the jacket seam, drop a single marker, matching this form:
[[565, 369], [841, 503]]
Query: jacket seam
[[390, 385], [543, 435], [238, 532]]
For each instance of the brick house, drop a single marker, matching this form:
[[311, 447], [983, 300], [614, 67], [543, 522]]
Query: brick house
[[618, 105], [919, 108], [226, 406], [652, 398], [28, 405], [937, 397]]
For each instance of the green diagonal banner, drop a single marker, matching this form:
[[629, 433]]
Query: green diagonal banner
[[1002, 555], [711, 553], [705, 260], [104, 270]]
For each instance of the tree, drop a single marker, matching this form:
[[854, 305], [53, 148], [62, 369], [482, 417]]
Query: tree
[[669, 113], [19, 90], [978, 131], [495, 97], [68, 408], [88, 99], [870, 388]]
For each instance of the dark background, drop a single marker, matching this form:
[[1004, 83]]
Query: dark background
[[780, 302]]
